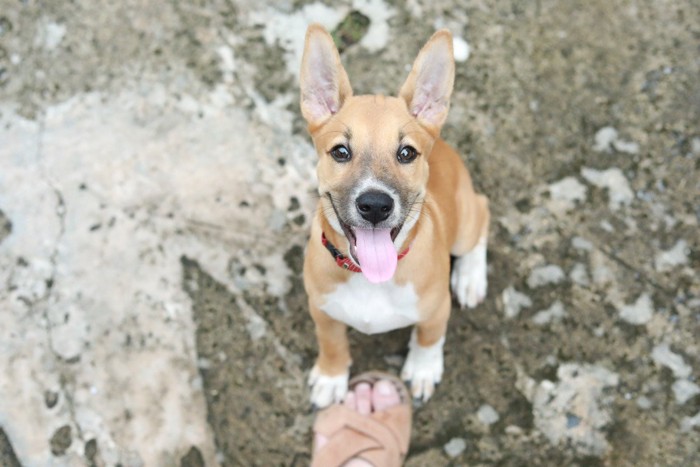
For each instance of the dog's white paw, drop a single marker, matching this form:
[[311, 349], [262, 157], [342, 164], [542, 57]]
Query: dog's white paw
[[423, 368], [469, 279], [327, 390]]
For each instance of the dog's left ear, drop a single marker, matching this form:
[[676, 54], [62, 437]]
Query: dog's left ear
[[428, 87], [324, 82]]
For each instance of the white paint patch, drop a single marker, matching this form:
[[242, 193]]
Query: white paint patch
[[514, 301], [576, 409], [619, 191], [639, 312], [158, 183], [601, 268], [567, 192], [286, 29], [227, 62], [552, 314], [579, 275], [379, 14], [669, 259], [663, 355], [423, 368], [606, 139], [544, 275], [688, 423], [469, 279], [460, 49], [684, 390], [372, 308]]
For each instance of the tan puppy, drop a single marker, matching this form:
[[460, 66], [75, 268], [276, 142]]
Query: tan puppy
[[395, 201]]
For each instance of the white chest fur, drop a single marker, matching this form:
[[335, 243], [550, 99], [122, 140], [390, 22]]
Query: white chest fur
[[373, 308]]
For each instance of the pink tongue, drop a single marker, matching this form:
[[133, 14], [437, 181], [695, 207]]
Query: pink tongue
[[376, 253]]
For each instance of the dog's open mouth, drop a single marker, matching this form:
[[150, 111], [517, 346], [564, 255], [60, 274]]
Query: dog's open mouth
[[374, 250], [349, 232]]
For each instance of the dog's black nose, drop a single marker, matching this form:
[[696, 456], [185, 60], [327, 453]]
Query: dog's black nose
[[374, 206]]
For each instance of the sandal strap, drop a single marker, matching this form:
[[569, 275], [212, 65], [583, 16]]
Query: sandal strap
[[371, 437]]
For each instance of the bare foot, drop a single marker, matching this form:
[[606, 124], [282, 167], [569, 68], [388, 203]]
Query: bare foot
[[366, 399]]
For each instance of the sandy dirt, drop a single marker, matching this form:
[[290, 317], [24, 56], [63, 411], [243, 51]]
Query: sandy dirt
[[156, 185]]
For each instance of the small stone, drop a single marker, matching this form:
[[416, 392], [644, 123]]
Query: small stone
[[51, 399], [193, 458], [581, 243], [91, 451], [514, 430], [572, 421], [61, 440], [455, 447], [640, 312], [487, 415], [685, 390], [461, 49], [644, 403], [663, 355], [543, 275]]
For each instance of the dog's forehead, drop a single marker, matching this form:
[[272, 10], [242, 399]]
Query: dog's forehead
[[376, 119]]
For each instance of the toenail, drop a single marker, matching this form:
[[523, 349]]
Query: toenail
[[383, 388]]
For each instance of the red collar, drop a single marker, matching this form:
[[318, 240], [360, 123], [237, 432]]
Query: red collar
[[342, 260]]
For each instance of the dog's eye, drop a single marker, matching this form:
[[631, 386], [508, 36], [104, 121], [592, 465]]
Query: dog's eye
[[341, 153], [406, 154]]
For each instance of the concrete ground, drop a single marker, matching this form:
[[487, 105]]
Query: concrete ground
[[156, 184]]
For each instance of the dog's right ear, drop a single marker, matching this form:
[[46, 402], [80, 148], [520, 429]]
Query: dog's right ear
[[324, 82]]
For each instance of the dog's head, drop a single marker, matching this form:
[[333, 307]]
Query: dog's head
[[373, 150]]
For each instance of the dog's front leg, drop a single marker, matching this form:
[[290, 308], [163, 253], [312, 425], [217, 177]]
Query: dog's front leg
[[424, 363], [329, 376]]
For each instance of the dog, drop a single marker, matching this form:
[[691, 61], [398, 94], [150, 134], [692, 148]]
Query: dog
[[395, 201]]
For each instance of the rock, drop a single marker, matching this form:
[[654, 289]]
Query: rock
[[61, 440]]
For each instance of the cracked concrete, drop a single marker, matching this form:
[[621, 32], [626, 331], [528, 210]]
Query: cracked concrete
[[156, 183]]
